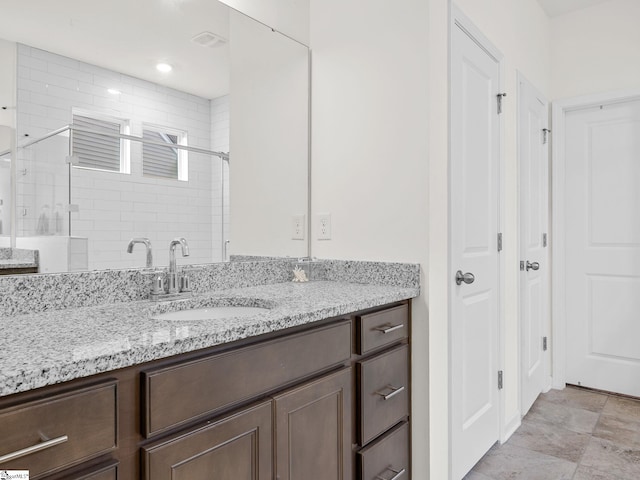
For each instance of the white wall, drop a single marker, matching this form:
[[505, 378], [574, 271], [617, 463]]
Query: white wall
[[7, 83], [596, 49], [370, 151], [380, 89], [290, 17], [522, 32], [438, 258], [269, 106], [114, 207]]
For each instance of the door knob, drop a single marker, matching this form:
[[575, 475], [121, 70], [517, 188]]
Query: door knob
[[467, 278], [532, 266]]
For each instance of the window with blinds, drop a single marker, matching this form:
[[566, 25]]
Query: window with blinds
[[95, 151], [160, 160]]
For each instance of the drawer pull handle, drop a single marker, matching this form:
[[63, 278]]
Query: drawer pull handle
[[33, 449], [390, 328], [394, 391], [398, 474]]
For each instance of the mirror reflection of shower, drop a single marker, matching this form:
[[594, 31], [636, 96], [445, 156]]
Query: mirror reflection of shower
[[6, 134], [68, 206], [5, 198]]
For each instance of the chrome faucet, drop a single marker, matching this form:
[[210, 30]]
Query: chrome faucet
[[174, 284], [147, 244]]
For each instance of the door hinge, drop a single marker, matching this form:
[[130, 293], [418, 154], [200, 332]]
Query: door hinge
[[499, 242], [545, 135], [544, 344], [500, 98], [500, 381], [544, 239]]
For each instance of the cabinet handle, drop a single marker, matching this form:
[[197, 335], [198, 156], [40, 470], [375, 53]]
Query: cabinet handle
[[33, 449], [398, 474], [394, 391], [390, 328]]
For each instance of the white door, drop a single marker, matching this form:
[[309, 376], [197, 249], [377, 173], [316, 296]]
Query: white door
[[533, 146], [475, 154], [602, 257]]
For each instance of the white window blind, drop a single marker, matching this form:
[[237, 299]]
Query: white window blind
[[158, 160], [96, 151]]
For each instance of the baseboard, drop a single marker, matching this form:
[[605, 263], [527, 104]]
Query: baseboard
[[510, 427]]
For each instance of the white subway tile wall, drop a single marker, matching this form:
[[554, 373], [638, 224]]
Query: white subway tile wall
[[115, 207]]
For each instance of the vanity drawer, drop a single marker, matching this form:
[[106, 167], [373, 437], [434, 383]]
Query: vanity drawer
[[387, 458], [108, 471], [383, 392], [378, 329], [64, 429], [180, 393]]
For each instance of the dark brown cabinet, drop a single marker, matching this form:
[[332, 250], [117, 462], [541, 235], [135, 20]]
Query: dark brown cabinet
[[327, 401], [209, 384], [313, 430], [47, 435], [239, 447], [383, 394], [382, 328], [108, 471], [387, 458], [312, 425]]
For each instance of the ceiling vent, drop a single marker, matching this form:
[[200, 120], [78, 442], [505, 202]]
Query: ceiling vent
[[208, 39]]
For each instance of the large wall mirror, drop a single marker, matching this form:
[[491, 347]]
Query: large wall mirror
[[212, 147]]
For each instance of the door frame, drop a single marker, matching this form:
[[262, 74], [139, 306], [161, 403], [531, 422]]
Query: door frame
[[521, 79], [459, 20], [558, 215]]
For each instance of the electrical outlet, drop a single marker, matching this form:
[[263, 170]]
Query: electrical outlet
[[324, 226], [298, 227]]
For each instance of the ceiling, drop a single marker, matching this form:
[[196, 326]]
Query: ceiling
[[555, 8], [129, 37]]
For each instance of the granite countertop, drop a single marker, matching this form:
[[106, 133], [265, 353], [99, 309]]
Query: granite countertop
[[16, 263], [56, 346], [12, 258]]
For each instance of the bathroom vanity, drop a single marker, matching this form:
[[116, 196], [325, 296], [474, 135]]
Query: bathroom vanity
[[318, 388]]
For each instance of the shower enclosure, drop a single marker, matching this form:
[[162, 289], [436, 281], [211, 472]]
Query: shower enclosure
[[79, 207]]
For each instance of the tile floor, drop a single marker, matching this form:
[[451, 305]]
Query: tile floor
[[573, 434]]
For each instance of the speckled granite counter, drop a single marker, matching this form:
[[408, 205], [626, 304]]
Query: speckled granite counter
[[46, 348], [16, 258], [10, 264]]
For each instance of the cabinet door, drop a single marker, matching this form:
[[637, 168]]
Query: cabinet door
[[313, 430], [238, 447]]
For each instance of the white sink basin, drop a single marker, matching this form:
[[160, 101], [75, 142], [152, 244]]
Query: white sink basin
[[211, 313]]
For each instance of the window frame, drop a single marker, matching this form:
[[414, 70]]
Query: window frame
[[183, 155], [125, 144]]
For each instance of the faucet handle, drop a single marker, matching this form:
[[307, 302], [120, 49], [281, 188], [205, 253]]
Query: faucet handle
[[185, 282], [157, 283]]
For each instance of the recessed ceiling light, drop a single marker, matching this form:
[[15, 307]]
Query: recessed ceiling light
[[113, 91], [164, 67]]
